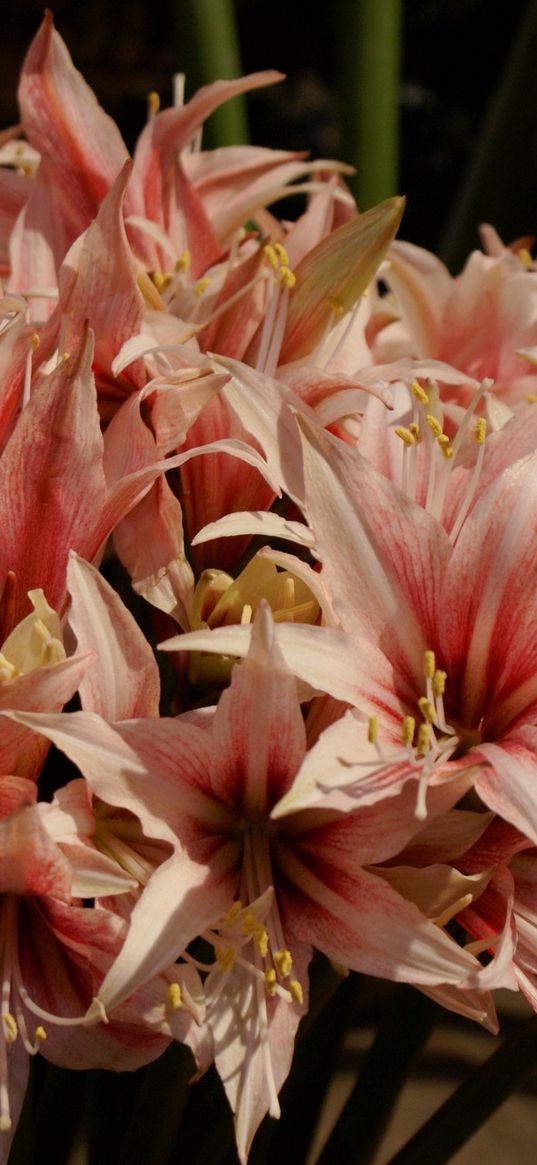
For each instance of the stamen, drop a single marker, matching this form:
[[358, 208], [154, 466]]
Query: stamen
[[287, 278], [427, 710], [423, 741], [161, 279], [419, 393], [434, 425], [283, 961], [183, 262], [282, 254], [174, 995], [153, 104], [270, 980], [271, 255], [480, 436], [11, 1030], [429, 664], [201, 286], [373, 730], [405, 435], [232, 913], [225, 957], [296, 991], [407, 729]]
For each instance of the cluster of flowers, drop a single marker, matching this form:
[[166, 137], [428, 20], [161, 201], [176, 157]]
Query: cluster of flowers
[[350, 764]]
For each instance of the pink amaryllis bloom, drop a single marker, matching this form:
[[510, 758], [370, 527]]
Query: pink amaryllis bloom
[[477, 321], [175, 205], [403, 591], [438, 642], [261, 878], [56, 951]]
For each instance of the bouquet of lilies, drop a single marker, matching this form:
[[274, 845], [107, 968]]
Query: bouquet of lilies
[[305, 456]]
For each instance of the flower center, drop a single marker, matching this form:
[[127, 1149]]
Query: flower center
[[429, 454], [249, 938]]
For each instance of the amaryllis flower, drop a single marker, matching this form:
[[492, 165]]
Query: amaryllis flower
[[444, 636], [173, 206], [476, 322], [260, 879], [55, 952]]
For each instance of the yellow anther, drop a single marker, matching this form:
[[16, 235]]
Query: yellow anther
[[270, 981], [373, 730], [183, 262], [297, 993], [447, 450], [336, 305], [531, 398], [252, 926], [407, 729], [11, 1030], [283, 961], [422, 746], [282, 254], [232, 913], [429, 664], [261, 941], [405, 435], [481, 430], [419, 393], [443, 440], [161, 279], [175, 997], [271, 255], [525, 257], [201, 286], [415, 430], [439, 683], [434, 425], [153, 103], [427, 709], [225, 956], [287, 278], [40, 1034], [35, 340]]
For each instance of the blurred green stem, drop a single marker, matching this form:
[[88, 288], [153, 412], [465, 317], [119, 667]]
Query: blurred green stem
[[370, 51], [207, 49]]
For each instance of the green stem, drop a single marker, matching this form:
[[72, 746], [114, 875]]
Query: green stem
[[474, 1102], [370, 50], [208, 50]]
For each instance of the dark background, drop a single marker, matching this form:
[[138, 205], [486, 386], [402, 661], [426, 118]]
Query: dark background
[[454, 59]]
